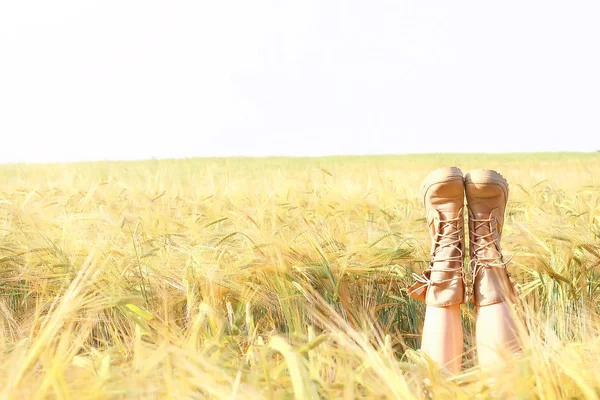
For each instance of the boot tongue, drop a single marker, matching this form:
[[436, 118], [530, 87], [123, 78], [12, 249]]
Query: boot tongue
[[447, 228], [483, 228]]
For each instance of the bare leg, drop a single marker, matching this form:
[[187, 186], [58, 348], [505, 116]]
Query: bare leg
[[443, 336], [496, 334]]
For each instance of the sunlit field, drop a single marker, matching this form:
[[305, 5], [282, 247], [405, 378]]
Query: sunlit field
[[279, 278]]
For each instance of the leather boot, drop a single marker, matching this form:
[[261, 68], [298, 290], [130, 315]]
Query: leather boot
[[443, 283], [487, 194]]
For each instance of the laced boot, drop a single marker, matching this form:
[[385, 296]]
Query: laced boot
[[443, 283], [487, 194]]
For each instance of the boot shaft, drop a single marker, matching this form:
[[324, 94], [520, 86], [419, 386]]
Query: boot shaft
[[487, 195], [443, 197]]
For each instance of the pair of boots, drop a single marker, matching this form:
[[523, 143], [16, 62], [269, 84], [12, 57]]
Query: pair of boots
[[444, 284]]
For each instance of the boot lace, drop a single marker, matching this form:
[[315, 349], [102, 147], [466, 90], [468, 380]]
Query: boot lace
[[445, 240], [481, 243]]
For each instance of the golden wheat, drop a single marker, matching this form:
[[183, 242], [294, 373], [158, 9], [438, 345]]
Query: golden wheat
[[278, 278]]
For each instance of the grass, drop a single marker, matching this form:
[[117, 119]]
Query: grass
[[278, 278]]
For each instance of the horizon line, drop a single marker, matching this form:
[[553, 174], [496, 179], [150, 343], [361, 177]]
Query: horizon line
[[256, 157]]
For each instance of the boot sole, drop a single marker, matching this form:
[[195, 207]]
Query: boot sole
[[482, 176], [440, 175]]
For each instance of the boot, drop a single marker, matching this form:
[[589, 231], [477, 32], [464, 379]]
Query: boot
[[443, 283], [487, 194]]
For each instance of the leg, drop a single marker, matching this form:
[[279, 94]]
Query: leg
[[443, 336], [496, 334]]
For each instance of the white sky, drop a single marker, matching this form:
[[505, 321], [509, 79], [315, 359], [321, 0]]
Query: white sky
[[87, 80]]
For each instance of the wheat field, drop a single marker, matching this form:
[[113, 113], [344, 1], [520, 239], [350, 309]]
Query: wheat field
[[279, 278]]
